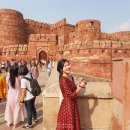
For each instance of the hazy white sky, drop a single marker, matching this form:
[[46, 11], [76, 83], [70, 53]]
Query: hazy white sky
[[114, 15]]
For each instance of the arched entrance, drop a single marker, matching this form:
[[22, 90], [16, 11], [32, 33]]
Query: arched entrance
[[43, 55]]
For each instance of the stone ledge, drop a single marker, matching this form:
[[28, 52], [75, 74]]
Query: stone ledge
[[89, 78], [93, 90]]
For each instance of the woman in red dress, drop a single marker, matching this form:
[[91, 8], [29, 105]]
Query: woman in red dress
[[68, 116]]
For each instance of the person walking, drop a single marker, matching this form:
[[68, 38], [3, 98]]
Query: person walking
[[49, 67], [68, 116], [14, 113], [26, 96], [34, 70], [3, 87]]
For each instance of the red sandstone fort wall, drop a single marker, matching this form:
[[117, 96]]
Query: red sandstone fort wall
[[85, 30], [93, 57], [17, 51], [68, 29], [118, 36], [12, 27], [35, 27], [58, 28], [122, 36], [89, 50], [39, 42], [83, 44]]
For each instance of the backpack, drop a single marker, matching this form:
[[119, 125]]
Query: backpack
[[35, 88]]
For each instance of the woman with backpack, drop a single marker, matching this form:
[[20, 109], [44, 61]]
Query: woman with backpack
[[27, 97], [14, 113]]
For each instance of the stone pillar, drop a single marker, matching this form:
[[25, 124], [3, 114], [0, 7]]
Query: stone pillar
[[121, 94], [51, 101], [95, 104]]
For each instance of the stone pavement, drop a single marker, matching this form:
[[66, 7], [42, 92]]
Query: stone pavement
[[39, 101]]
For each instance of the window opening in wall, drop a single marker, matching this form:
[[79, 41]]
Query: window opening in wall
[[91, 23], [57, 41]]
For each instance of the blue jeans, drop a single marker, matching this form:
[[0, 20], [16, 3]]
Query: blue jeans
[[31, 110]]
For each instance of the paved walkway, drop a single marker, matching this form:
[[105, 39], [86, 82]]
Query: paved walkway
[[39, 101]]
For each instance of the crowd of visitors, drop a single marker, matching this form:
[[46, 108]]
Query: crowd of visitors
[[15, 90], [20, 102]]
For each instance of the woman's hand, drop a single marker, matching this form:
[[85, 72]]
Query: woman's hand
[[82, 83]]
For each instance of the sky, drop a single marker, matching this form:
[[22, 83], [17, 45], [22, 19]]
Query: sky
[[114, 15]]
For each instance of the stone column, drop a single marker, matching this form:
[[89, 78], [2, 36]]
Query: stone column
[[121, 94]]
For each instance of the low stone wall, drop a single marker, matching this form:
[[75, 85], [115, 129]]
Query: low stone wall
[[89, 78]]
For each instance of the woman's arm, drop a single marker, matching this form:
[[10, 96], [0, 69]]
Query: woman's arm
[[22, 95], [65, 88]]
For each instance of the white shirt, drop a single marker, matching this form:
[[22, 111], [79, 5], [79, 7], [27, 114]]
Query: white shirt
[[26, 84], [49, 66]]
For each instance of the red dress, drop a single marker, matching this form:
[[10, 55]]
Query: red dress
[[68, 117]]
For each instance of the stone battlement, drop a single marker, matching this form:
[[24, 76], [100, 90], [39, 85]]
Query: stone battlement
[[125, 35], [36, 23], [58, 24], [118, 36], [42, 37], [114, 45]]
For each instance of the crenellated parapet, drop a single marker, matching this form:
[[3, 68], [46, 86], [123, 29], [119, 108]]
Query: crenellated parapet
[[117, 36], [109, 36], [37, 27], [13, 50], [58, 24], [42, 37], [94, 57], [36, 23], [124, 36], [95, 44], [97, 48]]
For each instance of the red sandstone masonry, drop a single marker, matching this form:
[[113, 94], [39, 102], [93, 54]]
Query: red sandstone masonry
[[81, 43], [13, 27]]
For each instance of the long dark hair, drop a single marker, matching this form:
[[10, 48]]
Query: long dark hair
[[60, 66], [13, 74]]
